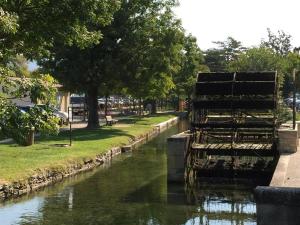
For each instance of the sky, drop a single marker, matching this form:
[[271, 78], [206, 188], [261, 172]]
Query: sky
[[244, 20]]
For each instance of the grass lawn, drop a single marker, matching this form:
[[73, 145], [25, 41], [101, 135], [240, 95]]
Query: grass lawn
[[17, 162]]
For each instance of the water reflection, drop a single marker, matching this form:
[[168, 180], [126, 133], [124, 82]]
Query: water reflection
[[25, 211], [133, 190]]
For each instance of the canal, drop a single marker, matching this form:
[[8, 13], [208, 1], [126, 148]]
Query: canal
[[133, 190]]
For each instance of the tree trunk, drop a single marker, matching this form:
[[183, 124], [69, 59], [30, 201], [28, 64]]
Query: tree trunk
[[133, 105], [105, 106], [154, 106], [92, 102], [139, 107]]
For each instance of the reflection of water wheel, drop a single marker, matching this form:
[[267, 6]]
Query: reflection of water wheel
[[190, 172], [190, 177]]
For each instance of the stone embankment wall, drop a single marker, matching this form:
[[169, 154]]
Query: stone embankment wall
[[279, 203], [44, 178]]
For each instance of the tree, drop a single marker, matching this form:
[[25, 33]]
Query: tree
[[17, 124], [231, 48], [280, 43], [191, 63], [290, 62], [18, 66], [267, 59], [38, 25], [33, 28], [155, 59], [217, 59], [256, 59], [135, 47]]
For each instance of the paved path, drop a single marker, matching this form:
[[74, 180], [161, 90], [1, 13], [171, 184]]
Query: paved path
[[287, 173], [292, 177]]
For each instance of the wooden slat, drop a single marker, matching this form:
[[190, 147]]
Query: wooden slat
[[248, 149], [255, 76], [242, 104], [214, 88], [233, 125], [239, 76], [235, 146], [254, 88], [235, 88], [203, 77]]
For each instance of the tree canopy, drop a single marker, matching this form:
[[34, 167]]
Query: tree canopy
[[139, 51], [218, 58], [32, 29], [192, 61]]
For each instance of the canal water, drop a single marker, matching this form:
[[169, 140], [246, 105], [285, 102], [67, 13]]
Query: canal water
[[133, 190]]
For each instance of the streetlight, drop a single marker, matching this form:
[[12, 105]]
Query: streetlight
[[295, 71], [70, 124]]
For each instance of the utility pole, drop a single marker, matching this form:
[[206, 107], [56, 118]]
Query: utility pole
[[294, 98], [70, 112], [296, 50]]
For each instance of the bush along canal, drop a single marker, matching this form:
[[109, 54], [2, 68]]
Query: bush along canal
[[133, 189]]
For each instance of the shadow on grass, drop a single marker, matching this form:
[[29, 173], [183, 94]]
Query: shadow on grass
[[102, 133], [85, 134], [142, 120]]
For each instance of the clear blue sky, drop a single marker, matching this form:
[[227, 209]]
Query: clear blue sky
[[244, 20]]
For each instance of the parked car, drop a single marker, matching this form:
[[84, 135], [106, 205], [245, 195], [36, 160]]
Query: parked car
[[63, 116]]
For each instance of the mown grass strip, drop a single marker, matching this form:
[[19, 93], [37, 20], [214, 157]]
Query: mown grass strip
[[17, 162]]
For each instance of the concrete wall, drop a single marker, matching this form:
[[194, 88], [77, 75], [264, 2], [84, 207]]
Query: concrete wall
[[177, 146], [138, 141], [277, 205], [288, 139]]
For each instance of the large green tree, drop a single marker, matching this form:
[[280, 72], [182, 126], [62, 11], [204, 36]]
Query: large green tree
[[191, 63], [33, 28], [280, 42], [218, 58], [256, 59], [137, 51], [155, 60]]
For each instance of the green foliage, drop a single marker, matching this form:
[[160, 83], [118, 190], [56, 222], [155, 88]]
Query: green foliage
[[217, 59], [284, 113], [231, 49], [191, 63], [34, 29], [256, 59], [17, 124], [39, 24], [280, 43], [290, 62], [149, 48], [260, 59], [139, 52], [18, 66]]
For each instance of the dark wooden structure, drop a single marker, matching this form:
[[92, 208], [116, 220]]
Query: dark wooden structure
[[234, 114]]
